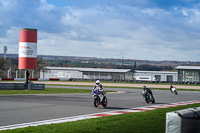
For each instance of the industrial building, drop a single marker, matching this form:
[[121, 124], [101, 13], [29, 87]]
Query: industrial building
[[86, 73], [155, 76], [188, 73], [107, 74]]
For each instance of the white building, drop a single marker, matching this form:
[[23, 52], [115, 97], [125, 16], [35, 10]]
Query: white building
[[155, 76], [188, 73], [86, 73], [107, 74]]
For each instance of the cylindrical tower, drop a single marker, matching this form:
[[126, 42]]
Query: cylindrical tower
[[27, 49]]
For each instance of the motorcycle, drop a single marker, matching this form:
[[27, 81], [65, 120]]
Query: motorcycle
[[148, 96], [174, 91], [99, 98]]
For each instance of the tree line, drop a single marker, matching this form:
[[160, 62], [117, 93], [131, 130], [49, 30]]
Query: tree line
[[12, 64]]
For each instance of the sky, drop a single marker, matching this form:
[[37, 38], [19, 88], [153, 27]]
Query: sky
[[130, 29]]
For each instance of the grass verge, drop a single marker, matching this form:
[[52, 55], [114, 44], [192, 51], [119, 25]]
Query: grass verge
[[142, 122], [46, 91]]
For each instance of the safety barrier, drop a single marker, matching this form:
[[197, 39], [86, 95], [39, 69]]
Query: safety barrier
[[21, 86], [32, 86], [34, 79], [183, 121], [12, 86]]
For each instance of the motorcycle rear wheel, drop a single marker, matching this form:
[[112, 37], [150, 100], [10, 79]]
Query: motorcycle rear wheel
[[176, 93], [105, 101]]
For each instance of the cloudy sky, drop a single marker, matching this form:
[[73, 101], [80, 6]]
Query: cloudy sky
[[129, 29]]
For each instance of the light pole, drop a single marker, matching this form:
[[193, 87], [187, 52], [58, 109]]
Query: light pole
[[25, 73], [5, 50], [32, 74], [9, 73], [17, 74]]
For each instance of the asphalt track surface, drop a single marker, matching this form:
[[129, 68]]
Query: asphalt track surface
[[17, 109]]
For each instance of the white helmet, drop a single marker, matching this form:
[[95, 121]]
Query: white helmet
[[97, 82]]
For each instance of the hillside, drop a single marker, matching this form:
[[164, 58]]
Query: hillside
[[75, 61]]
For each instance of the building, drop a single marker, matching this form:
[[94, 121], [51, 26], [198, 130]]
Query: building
[[155, 76], [188, 73], [86, 73]]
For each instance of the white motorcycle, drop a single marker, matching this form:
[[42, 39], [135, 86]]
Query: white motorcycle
[[99, 97], [174, 91]]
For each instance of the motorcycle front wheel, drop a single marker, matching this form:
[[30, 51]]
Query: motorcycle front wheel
[[96, 102], [153, 100], [147, 99]]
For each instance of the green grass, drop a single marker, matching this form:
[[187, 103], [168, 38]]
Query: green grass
[[142, 122], [46, 91]]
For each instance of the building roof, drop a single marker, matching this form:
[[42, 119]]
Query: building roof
[[89, 69], [165, 72], [188, 67]]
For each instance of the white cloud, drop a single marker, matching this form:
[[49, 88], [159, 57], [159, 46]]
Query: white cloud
[[105, 30], [184, 13], [11, 40]]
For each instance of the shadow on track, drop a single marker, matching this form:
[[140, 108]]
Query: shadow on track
[[159, 103], [115, 108]]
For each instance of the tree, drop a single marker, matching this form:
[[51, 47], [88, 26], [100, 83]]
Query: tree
[[1, 63], [40, 65]]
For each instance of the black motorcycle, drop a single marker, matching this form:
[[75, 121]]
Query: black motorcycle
[[148, 96]]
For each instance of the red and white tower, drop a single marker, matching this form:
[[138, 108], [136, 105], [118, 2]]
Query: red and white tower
[[27, 49]]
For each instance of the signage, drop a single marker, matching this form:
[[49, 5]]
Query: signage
[[27, 49]]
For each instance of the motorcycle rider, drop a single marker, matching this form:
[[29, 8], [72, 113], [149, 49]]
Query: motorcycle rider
[[171, 88], [147, 89], [98, 84]]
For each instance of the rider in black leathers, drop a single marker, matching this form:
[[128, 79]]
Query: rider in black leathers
[[147, 89]]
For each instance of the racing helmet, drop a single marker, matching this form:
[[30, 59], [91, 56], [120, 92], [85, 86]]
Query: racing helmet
[[97, 82], [144, 87]]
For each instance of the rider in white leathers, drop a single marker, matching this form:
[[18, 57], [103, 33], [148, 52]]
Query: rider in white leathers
[[100, 87]]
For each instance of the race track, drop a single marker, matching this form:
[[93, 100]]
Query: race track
[[16, 109]]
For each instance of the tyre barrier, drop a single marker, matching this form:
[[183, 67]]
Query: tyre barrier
[[183, 121]]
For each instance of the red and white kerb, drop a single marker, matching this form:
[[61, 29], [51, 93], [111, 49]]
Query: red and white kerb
[[27, 48]]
